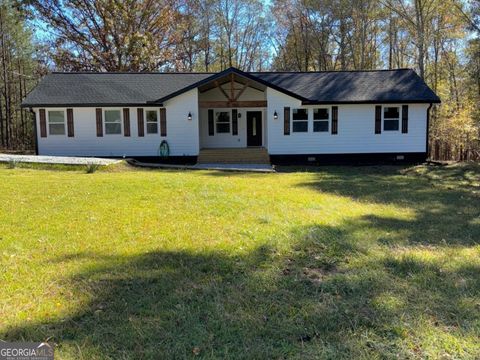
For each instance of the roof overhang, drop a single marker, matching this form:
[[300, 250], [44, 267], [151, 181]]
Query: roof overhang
[[70, 105], [359, 102]]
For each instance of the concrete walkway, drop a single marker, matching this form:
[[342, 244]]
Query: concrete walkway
[[65, 160], [258, 168]]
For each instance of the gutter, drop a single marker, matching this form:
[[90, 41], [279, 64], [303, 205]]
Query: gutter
[[428, 130], [78, 105], [35, 129], [363, 102]]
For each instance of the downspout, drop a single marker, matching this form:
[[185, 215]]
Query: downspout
[[34, 129], [428, 131]]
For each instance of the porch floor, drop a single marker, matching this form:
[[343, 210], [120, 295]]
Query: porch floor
[[251, 155]]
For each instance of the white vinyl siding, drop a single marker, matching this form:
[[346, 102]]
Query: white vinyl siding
[[356, 130], [182, 134]]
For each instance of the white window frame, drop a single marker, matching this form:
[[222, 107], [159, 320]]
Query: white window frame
[[105, 118], [293, 121], [399, 118], [146, 121], [227, 110], [64, 121], [329, 120]]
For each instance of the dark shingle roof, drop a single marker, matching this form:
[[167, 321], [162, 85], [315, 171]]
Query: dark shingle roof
[[122, 89], [107, 88], [402, 85]]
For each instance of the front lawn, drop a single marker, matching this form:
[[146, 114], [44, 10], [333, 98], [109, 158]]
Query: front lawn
[[334, 262]]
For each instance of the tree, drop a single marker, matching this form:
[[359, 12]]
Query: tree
[[240, 33], [110, 35], [218, 34], [18, 74]]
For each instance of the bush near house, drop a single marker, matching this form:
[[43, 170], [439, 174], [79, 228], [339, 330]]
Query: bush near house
[[339, 262]]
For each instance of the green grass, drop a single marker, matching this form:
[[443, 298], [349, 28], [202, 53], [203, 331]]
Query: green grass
[[334, 262]]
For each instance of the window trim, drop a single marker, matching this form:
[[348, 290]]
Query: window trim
[[104, 120], [399, 106], [145, 110], [292, 120], [329, 120], [64, 121], [227, 110]]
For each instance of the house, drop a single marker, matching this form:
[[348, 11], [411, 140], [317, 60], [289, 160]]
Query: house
[[287, 116]]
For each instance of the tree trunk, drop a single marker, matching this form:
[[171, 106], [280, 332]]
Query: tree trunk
[[6, 94], [420, 37]]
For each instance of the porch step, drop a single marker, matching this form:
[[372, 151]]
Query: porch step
[[234, 156]]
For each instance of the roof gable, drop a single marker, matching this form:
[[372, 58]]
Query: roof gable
[[227, 72]]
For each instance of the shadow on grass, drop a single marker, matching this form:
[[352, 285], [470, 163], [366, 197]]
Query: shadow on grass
[[328, 296], [311, 302], [446, 202]]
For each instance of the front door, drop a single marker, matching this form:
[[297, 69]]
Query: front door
[[254, 128]]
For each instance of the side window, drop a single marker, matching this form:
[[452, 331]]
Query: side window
[[113, 122], [222, 121], [321, 117], [391, 118], [152, 121], [56, 122], [299, 120]]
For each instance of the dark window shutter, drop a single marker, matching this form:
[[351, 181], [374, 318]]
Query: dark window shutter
[[140, 122], [234, 122], [405, 119], [126, 122], [334, 120], [163, 122], [99, 122], [43, 123], [378, 119], [70, 129], [286, 121], [211, 130]]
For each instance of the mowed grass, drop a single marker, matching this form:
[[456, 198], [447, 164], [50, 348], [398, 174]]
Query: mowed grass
[[333, 262]]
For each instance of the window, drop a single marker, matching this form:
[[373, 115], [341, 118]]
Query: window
[[320, 120], [222, 121], [152, 121], [391, 118], [300, 120], [113, 122], [56, 122]]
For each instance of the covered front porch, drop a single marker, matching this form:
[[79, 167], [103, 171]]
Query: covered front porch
[[232, 115]]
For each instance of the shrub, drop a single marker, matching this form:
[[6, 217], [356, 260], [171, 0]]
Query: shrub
[[12, 163], [91, 168]]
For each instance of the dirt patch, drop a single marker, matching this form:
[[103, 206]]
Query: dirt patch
[[318, 275]]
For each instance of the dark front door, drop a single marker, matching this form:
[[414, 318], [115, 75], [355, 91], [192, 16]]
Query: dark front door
[[254, 128]]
